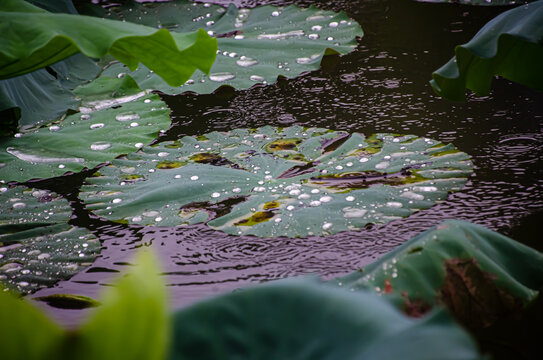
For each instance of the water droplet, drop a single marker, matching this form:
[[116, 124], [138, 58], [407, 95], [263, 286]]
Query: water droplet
[[236, 190], [329, 38], [158, 219], [239, 37], [364, 159], [278, 220], [97, 126], [116, 201], [220, 77], [313, 36], [279, 36], [315, 191], [382, 165], [215, 195], [339, 167], [327, 226], [194, 177], [134, 124], [259, 189], [19, 205], [246, 62], [151, 213], [211, 33], [4, 189], [44, 256], [316, 28], [412, 195], [54, 128], [163, 154], [275, 13], [100, 145], [315, 203], [137, 218], [425, 188], [85, 117], [394, 204], [333, 24], [147, 101], [209, 23], [325, 199], [349, 198], [294, 192], [257, 78], [138, 145], [61, 166], [304, 196], [290, 208], [127, 116]]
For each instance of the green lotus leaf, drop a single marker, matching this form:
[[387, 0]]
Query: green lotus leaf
[[278, 181], [35, 38], [479, 2], [300, 319], [44, 95], [26, 333], [115, 118], [510, 45], [132, 323], [255, 45], [478, 274], [37, 246]]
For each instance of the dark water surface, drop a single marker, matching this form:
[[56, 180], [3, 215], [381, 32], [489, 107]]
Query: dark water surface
[[381, 87]]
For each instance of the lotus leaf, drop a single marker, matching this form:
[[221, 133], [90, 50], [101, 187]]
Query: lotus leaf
[[106, 127], [278, 181], [37, 246], [132, 323], [510, 45], [44, 95], [44, 38], [26, 333], [478, 274], [255, 45], [297, 319]]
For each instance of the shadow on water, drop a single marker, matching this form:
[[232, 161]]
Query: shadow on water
[[381, 87]]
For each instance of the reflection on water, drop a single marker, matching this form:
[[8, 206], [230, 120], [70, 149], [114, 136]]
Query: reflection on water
[[382, 87]]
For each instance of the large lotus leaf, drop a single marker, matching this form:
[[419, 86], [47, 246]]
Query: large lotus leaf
[[37, 246], [255, 45], [510, 45], [106, 127], [478, 274], [45, 95], [26, 333], [34, 38], [278, 181], [297, 319], [133, 321]]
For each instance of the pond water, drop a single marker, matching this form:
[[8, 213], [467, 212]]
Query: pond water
[[381, 87]]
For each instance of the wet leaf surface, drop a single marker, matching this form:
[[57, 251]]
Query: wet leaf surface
[[482, 277], [294, 40], [115, 118], [37, 245], [277, 181]]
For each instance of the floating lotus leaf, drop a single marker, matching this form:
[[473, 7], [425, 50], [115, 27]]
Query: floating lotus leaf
[[297, 319], [43, 38], [510, 45], [478, 274], [106, 127], [37, 246], [278, 181], [255, 45]]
